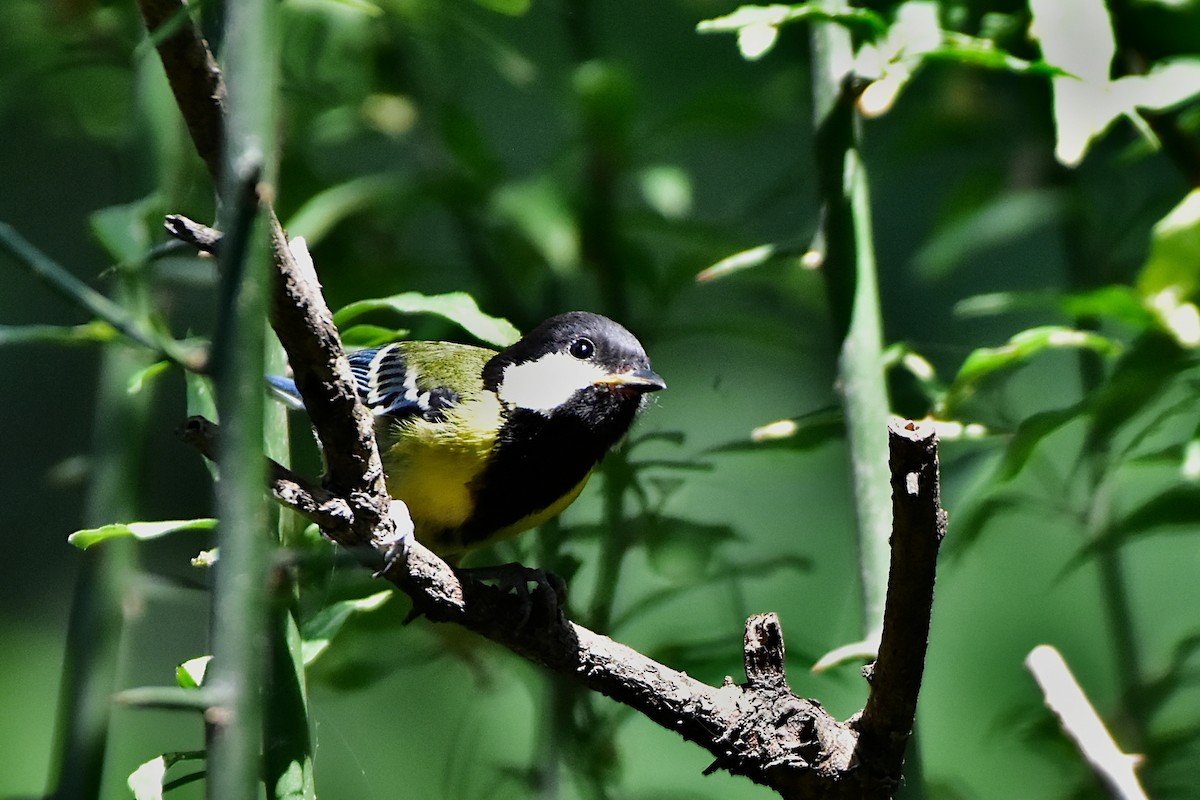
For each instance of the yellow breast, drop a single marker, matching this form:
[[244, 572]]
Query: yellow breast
[[431, 465]]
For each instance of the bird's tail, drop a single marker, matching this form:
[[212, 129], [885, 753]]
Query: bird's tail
[[285, 391]]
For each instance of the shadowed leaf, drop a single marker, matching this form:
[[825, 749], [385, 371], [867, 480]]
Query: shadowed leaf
[[318, 631]]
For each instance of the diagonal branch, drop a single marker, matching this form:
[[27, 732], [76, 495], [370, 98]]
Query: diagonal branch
[[299, 315]]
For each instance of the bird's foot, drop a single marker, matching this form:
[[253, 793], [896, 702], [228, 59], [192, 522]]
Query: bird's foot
[[543, 604]]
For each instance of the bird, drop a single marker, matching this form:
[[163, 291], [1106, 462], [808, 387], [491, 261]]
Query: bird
[[482, 445]]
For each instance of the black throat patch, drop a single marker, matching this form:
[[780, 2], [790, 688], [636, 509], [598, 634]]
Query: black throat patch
[[540, 458]]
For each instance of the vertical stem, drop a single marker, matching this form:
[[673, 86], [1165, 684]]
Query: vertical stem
[[853, 294], [1086, 270], [287, 743], [97, 620], [241, 598]]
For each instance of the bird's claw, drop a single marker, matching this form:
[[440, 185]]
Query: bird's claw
[[543, 604]]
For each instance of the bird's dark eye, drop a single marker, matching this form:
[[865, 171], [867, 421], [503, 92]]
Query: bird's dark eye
[[582, 348]]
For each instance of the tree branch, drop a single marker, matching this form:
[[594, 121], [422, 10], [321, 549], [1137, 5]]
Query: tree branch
[[299, 315], [918, 527], [759, 729]]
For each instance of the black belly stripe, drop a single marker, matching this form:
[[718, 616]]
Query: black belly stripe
[[536, 462]]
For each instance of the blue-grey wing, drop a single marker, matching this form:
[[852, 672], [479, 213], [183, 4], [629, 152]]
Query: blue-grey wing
[[388, 385]]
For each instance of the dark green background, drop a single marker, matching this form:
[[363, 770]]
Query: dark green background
[[430, 712]]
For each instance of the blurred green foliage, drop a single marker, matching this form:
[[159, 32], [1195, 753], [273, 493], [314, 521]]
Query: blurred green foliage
[[1036, 237]]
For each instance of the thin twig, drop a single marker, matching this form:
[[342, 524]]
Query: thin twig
[[68, 286], [1079, 720]]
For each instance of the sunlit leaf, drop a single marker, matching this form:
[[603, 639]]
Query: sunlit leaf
[[146, 782], [145, 376], [190, 674], [667, 189], [458, 307], [1086, 100], [1174, 261], [756, 18], [796, 433], [143, 531], [1084, 105], [318, 631], [754, 257], [988, 361]]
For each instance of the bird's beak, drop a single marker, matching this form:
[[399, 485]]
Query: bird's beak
[[642, 380]]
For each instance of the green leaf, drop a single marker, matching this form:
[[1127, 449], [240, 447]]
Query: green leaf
[[358, 6], [680, 549], [667, 189], [190, 674], [754, 257], [148, 781], [124, 230], [200, 398], [142, 531], [458, 307], [1114, 303], [539, 209], [988, 361], [324, 210], [1030, 433], [1178, 506], [1006, 217], [984, 53], [757, 27], [140, 379], [94, 332], [512, 8], [372, 335], [1174, 261], [1140, 376], [797, 433], [318, 631]]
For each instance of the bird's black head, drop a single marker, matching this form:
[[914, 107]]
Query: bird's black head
[[577, 364]]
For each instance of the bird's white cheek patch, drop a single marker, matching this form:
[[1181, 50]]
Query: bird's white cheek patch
[[547, 383]]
